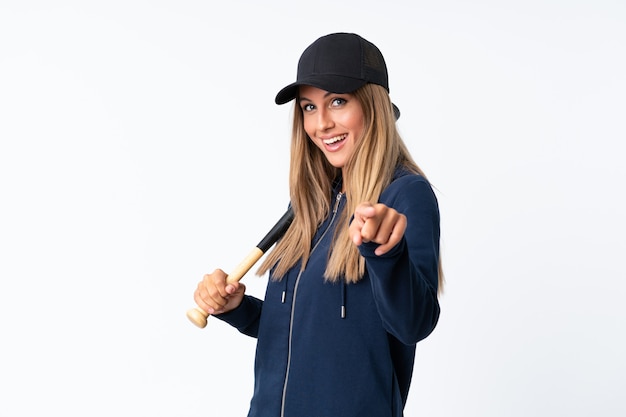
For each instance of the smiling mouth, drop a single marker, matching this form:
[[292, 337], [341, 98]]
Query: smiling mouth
[[335, 139]]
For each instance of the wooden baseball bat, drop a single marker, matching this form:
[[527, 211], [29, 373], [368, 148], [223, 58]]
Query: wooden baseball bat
[[199, 316]]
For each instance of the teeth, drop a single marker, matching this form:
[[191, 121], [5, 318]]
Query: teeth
[[335, 139]]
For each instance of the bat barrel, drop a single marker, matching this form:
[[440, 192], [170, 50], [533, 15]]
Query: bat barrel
[[277, 231]]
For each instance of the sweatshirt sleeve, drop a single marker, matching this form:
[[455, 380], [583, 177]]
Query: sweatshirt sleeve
[[245, 318], [405, 279]]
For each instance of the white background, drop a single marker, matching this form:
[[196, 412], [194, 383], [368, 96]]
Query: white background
[[141, 148]]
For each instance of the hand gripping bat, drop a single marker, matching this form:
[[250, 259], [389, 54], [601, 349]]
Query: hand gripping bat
[[199, 316]]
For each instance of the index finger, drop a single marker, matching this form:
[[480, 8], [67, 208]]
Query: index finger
[[364, 211]]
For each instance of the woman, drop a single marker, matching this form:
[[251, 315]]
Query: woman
[[354, 281]]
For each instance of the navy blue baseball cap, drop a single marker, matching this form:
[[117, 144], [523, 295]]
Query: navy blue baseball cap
[[340, 63]]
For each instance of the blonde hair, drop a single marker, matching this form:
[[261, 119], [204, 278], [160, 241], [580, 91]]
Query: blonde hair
[[368, 172]]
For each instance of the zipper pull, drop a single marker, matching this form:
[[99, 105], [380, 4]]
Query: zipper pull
[[338, 200]]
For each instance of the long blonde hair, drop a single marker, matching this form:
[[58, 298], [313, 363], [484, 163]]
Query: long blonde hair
[[368, 172]]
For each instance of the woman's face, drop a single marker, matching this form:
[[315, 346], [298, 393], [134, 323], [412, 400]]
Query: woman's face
[[334, 122]]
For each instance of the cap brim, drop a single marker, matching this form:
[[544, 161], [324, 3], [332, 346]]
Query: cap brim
[[332, 83]]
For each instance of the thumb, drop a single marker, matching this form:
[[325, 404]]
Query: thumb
[[235, 288]]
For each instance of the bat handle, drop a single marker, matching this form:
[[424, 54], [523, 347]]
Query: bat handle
[[198, 316]]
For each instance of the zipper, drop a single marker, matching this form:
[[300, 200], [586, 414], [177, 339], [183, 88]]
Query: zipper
[[293, 305], [337, 201]]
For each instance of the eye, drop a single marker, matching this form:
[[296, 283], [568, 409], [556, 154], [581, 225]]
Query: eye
[[337, 102], [308, 107]]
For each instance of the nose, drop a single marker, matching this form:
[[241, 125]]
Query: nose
[[324, 120]]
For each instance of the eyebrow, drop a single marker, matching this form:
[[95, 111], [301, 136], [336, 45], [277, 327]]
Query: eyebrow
[[308, 99]]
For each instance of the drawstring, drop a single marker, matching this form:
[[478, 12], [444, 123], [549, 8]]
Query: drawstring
[[343, 299], [283, 297]]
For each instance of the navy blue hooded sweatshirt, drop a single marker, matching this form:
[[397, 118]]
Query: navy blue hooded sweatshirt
[[347, 350]]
